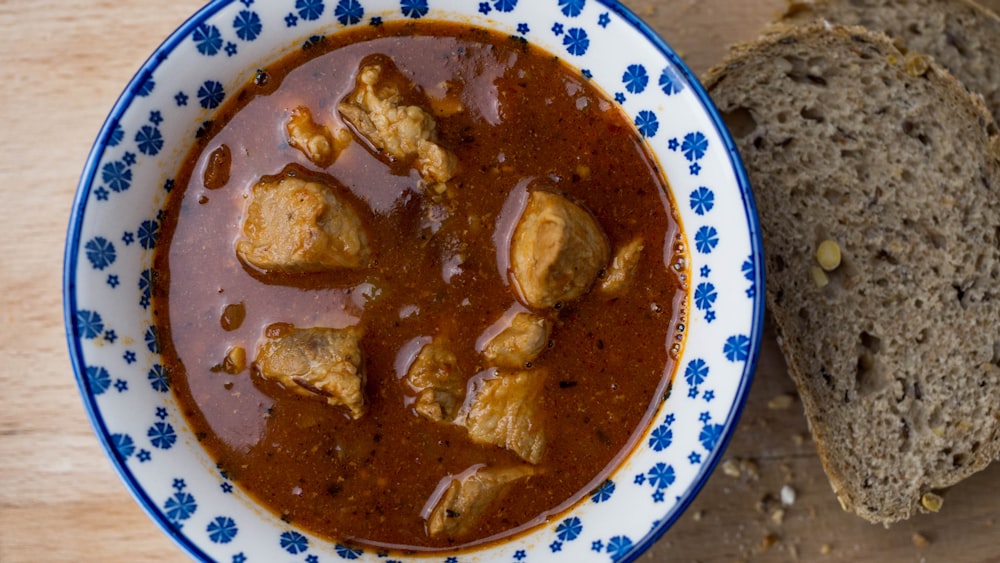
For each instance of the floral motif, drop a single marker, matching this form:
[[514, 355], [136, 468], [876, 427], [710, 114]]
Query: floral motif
[[247, 25], [294, 542], [705, 296], [211, 94], [309, 9], [222, 530], [123, 445], [737, 348], [603, 492], [99, 379], [696, 372], [706, 239], [162, 435], [576, 41], [100, 252], [348, 552], [571, 8], [414, 8], [89, 324], [179, 507], [618, 547], [670, 81], [208, 38], [702, 200], [149, 140], [117, 175], [348, 12], [635, 79], [661, 438], [662, 475], [710, 435], [695, 146], [569, 529], [647, 123], [158, 378]]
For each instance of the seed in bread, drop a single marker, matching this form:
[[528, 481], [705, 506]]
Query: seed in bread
[[895, 352]]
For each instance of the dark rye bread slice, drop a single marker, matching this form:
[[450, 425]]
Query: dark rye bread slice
[[896, 360], [963, 36]]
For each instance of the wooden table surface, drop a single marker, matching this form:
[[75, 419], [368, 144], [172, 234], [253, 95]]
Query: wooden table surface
[[63, 63]]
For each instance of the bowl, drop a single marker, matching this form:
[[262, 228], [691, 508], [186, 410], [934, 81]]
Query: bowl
[[118, 214]]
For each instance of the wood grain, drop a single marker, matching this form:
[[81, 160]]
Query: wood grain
[[63, 63]]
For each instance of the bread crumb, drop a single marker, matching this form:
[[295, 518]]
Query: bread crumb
[[920, 541], [767, 542], [750, 468], [931, 501], [825, 549], [698, 515], [793, 551], [916, 64], [731, 467], [819, 277], [799, 439], [737, 467], [787, 495], [781, 402], [828, 255], [778, 516]]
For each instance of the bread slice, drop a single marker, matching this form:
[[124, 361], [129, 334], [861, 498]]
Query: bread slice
[[963, 36], [895, 352]]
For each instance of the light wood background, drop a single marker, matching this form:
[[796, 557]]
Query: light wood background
[[63, 63]]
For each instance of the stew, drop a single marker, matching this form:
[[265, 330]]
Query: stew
[[420, 286]]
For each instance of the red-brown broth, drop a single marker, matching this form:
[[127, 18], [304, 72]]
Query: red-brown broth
[[530, 122]]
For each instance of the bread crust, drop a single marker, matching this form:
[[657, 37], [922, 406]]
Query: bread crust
[[895, 353], [961, 35]]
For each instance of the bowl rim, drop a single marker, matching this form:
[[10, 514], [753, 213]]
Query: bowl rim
[[757, 254], [71, 258], [127, 97]]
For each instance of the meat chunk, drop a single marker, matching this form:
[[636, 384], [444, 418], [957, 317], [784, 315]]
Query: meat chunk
[[435, 377], [314, 140], [623, 267], [469, 497], [403, 132], [317, 362], [521, 342], [506, 411], [295, 225], [557, 250]]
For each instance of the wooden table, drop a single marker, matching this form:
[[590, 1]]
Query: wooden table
[[62, 63]]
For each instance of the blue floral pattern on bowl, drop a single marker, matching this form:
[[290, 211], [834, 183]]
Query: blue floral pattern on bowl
[[118, 213]]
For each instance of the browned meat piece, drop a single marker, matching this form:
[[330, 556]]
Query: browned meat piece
[[435, 377], [622, 268], [317, 362], [376, 111], [467, 499], [521, 342], [315, 140], [297, 226], [557, 250], [506, 412]]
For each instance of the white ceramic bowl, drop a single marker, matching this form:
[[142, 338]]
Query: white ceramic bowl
[[115, 227]]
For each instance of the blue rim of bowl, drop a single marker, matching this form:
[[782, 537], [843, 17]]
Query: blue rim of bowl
[[70, 261], [125, 100], [757, 255]]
